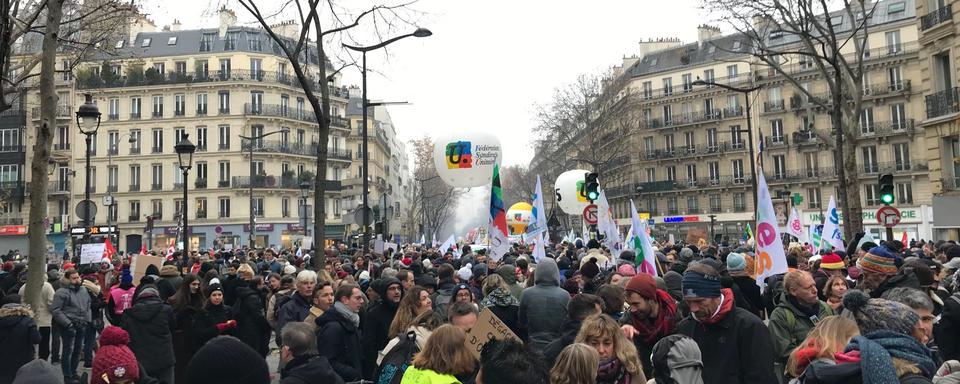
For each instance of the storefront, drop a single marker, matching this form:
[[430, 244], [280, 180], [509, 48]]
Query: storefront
[[916, 221], [14, 237], [724, 228]]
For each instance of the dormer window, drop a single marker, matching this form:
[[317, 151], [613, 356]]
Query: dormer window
[[172, 40], [145, 43], [119, 44]]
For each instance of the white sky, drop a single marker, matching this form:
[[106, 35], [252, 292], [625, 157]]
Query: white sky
[[489, 62]]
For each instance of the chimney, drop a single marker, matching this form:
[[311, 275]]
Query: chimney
[[227, 19], [706, 32], [288, 28], [176, 25], [139, 24], [658, 44]]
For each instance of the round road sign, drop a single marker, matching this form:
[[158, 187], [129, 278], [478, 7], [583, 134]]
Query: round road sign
[[888, 216], [590, 214]]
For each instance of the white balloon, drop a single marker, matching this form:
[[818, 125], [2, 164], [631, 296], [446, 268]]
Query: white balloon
[[466, 159], [569, 186]]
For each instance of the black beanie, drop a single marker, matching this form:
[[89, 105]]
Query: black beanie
[[590, 268], [227, 360]]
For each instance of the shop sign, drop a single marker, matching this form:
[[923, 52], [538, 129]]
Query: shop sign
[[13, 230], [260, 227], [173, 231], [97, 230], [906, 215], [295, 227], [681, 219]]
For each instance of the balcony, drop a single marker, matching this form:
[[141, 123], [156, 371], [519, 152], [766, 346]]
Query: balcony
[[113, 116], [887, 128], [936, 17], [951, 183], [135, 150], [207, 76], [133, 218], [63, 112], [58, 188], [61, 147], [201, 214], [732, 112], [156, 150], [276, 110], [224, 111], [157, 216], [223, 184], [177, 186], [11, 221], [223, 146], [943, 103], [12, 148], [339, 154], [888, 88], [773, 142], [111, 188], [134, 188], [135, 116], [339, 122], [201, 111], [113, 151], [801, 138], [200, 183], [273, 182], [156, 187], [773, 106], [902, 167], [156, 114]]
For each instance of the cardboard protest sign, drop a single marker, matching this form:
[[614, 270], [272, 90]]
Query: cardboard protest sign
[[378, 246], [488, 327], [138, 266]]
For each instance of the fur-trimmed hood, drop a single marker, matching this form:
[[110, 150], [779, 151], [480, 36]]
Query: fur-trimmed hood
[[15, 310]]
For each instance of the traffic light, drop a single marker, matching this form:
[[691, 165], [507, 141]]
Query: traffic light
[[592, 186], [886, 188]]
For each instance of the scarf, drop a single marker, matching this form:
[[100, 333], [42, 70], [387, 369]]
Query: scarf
[[347, 313], [612, 372], [726, 305], [879, 347], [498, 298], [808, 310], [663, 325]]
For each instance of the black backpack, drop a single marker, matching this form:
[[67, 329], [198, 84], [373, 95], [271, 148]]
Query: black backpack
[[772, 292], [280, 301], [396, 361]]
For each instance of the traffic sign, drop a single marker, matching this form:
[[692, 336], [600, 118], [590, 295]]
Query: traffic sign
[[84, 207], [888, 216], [590, 214]]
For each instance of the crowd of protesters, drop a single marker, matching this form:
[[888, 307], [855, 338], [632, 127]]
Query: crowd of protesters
[[881, 313]]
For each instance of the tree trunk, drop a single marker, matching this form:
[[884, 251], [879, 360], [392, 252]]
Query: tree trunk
[[322, 111], [36, 274], [853, 216]]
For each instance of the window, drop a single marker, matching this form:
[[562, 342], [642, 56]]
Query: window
[[872, 194], [224, 169], [898, 118], [711, 139], [731, 71], [172, 40], [901, 156], [230, 41], [201, 207], [736, 45], [693, 204], [113, 145], [739, 202], [10, 140], [667, 86], [178, 134], [715, 203], [135, 107], [687, 82], [253, 42], [904, 193], [647, 90], [157, 208], [737, 166], [779, 167], [258, 206], [206, 42], [201, 104], [869, 157], [836, 20], [651, 175], [672, 208], [672, 173], [256, 102], [179, 104], [224, 137], [224, 69], [776, 131], [224, 210], [668, 143], [736, 137], [895, 78], [893, 42], [145, 43], [652, 205], [134, 177], [896, 8], [689, 142], [93, 145], [667, 115], [157, 177], [691, 173], [776, 34], [119, 44], [160, 68], [256, 69], [866, 121], [224, 97], [114, 108], [157, 106], [813, 198], [180, 67], [653, 61], [284, 104], [285, 207], [203, 69], [157, 140], [811, 161], [713, 169], [134, 210], [9, 173], [864, 46], [708, 108]]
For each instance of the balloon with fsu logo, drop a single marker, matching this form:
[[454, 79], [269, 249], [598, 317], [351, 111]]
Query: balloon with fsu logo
[[570, 191], [466, 160], [518, 217]]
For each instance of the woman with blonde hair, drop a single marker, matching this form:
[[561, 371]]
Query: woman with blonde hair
[[443, 358], [576, 364], [830, 336], [497, 297], [414, 303], [619, 361]]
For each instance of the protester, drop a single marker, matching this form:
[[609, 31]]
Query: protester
[[652, 315], [121, 297], [282, 294], [798, 312], [38, 371], [322, 301], [18, 336], [215, 319], [252, 326], [227, 360], [297, 308], [828, 338], [831, 265], [186, 303], [302, 363], [676, 359], [338, 337], [115, 362], [376, 323], [619, 361], [576, 364], [463, 315], [497, 298], [833, 290], [44, 317], [543, 307], [746, 284], [71, 315], [920, 303], [412, 305], [422, 327], [877, 268], [170, 281], [150, 323], [509, 274], [443, 358], [734, 343]]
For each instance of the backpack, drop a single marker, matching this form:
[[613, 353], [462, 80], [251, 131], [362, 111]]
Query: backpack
[[279, 302], [772, 292], [396, 361]]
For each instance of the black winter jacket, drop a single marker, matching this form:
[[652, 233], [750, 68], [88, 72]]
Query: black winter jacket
[[18, 336], [947, 331], [252, 326], [205, 325], [737, 349], [376, 327], [309, 369], [150, 324], [847, 373], [339, 341]]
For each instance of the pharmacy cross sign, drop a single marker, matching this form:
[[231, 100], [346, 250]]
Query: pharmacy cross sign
[[888, 216]]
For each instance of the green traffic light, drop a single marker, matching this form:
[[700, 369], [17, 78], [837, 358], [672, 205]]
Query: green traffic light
[[593, 195], [887, 199]]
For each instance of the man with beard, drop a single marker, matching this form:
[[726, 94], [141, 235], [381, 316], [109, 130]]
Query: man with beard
[[652, 316], [376, 323]]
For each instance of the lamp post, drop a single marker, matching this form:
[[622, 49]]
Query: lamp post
[[88, 119], [420, 32], [304, 193], [253, 228], [746, 97], [185, 150]]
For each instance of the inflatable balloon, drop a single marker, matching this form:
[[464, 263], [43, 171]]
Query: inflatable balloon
[[570, 192], [466, 160], [518, 217]]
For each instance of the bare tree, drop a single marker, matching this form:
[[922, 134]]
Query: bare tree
[[794, 38], [434, 202], [519, 183], [321, 24]]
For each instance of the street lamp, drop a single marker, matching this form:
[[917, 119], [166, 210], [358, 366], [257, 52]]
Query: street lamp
[[420, 32], [88, 119], [746, 97], [304, 193], [185, 150], [253, 228]]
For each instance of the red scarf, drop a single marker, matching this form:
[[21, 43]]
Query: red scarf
[[725, 307], [664, 324]]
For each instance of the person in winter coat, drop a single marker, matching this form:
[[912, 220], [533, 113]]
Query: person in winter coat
[[576, 364], [422, 327], [734, 343], [581, 307], [799, 311], [543, 307], [676, 359], [71, 315], [298, 306], [151, 324], [828, 338], [376, 322], [121, 297], [170, 281], [322, 301], [97, 304], [38, 371], [509, 274], [885, 351], [252, 326], [302, 364], [830, 265], [18, 336], [443, 294], [338, 335], [652, 315], [215, 319], [286, 289], [749, 290], [443, 358], [619, 362], [497, 298], [186, 304], [44, 318]]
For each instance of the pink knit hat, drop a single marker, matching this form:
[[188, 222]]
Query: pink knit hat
[[627, 270]]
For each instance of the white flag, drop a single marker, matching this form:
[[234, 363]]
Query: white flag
[[608, 226], [867, 237], [646, 258], [570, 237], [538, 219], [770, 258], [539, 247], [794, 226], [831, 227], [423, 239], [451, 242], [434, 243]]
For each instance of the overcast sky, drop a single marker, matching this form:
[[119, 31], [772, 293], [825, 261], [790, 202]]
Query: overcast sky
[[489, 62]]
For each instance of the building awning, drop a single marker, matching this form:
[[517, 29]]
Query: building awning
[[334, 231]]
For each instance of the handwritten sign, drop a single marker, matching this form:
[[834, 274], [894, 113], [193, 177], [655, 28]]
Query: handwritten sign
[[488, 327], [92, 253], [139, 264]]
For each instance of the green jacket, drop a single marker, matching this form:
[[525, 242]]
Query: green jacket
[[789, 327], [414, 375]]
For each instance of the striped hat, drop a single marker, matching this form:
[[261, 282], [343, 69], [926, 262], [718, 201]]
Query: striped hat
[[879, 260], [831, 261]]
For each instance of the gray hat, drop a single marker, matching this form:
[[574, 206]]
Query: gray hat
[[38, 372], [879, 314]]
